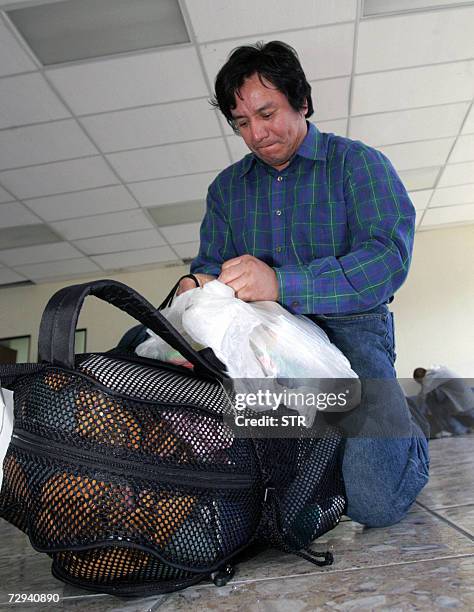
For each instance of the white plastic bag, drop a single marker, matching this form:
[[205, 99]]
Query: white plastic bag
[[156, 348], [264, 348], [261, 339], [6, 425]]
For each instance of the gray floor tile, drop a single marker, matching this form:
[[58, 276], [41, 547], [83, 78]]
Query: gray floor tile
[[451, 451], [450, 484], [460, 515], [100, 603], [426, 585], [419, 536]]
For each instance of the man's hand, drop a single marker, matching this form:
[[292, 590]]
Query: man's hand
[[187, 283], [250, 278]]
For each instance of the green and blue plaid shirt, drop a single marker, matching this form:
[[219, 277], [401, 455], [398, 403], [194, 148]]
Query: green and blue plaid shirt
[[336, 225]]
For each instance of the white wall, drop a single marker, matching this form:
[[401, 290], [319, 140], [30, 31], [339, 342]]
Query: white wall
[[21, 307], [434, 310]]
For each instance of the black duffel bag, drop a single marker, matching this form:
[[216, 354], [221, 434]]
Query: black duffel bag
[[125, 471]]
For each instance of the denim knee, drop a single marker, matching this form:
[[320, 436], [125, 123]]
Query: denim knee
[[380, 492], [380, 515]]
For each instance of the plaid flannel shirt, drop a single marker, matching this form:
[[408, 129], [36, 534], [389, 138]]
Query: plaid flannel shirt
[[336, 225]]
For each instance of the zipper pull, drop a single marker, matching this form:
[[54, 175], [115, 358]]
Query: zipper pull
[[267, 492], [222, 576]]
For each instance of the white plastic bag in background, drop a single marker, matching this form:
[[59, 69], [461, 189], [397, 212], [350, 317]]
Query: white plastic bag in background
[[6, 425]]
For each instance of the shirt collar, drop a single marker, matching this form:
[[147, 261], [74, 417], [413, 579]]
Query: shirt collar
[[313, 147]]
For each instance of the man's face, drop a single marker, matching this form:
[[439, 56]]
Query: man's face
[[271, 128]]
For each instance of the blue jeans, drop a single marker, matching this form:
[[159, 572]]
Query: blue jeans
[[386, 461]]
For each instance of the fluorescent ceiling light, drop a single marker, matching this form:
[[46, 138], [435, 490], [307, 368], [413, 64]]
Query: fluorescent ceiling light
[[374, 8], [26, 235], [72, 30], [176, 214]]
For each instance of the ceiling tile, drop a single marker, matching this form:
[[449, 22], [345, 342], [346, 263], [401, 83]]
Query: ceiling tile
[[457, 174], [468, 127], [333, 43], [58, 177], [420, 178], [463, 149], [237, 146], [188, 250], [182, 212], [4, 196], [413, 87], [103, 225], [128, 259], [26, 235], [14, 59], [54, 270], [230, 19], [38, 254], [185, 232], [418, 154], [336, 126], [450, 196], [128, 241], [14, 213], [8, 276], [82, 203], [27, 99], [39, 144], [170, 160], [153, 125], [170, 190], [428, 37], [330, 99], [450, 214], [409, 125], [134, 80], [420, 198]]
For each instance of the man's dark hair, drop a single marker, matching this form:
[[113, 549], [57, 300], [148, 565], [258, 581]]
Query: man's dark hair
[[419, 373], [276, 62]]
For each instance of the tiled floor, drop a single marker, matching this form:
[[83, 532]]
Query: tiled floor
[[426, 562]]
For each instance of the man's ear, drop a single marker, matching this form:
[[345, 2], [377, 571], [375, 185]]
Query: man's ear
[[304, 108]]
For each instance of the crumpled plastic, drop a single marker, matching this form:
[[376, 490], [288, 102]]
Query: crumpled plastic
[[258, 342], [6, 424], [156, 348]]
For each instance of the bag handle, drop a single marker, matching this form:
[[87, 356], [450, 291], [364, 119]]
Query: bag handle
[[169, 298], [59, 321]]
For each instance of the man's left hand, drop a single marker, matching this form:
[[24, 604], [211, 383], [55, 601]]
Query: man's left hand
[[250, 278]]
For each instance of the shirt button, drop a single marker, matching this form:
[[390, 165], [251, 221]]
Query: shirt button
[[279, 179], [295, 304], [278, 212], [278, 249]]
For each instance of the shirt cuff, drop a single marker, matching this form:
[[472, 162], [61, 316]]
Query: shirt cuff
[[295, 290]]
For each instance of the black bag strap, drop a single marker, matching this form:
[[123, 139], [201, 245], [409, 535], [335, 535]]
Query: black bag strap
[[59, 321], [169, 298]]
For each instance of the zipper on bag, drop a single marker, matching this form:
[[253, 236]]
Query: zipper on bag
[[173, 475]]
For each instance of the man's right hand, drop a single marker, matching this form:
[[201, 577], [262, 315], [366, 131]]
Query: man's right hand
[[187, 283]]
